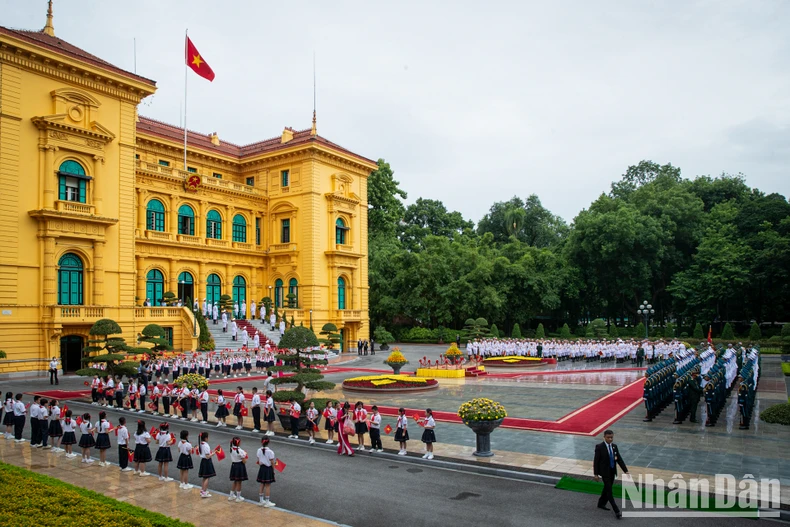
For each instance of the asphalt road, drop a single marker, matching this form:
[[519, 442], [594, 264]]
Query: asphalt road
[[384, 490]]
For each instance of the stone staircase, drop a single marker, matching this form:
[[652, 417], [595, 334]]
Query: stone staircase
[[224, 340]]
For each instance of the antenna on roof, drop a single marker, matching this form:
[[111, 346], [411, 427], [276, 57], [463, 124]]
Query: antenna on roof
[[49, 29], [135, 55], [314, 131]]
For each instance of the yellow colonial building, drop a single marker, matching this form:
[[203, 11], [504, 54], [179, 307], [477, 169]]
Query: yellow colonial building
[[98, 213]]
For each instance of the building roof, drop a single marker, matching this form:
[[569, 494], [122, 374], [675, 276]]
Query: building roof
[[148, 126], [57, 45]]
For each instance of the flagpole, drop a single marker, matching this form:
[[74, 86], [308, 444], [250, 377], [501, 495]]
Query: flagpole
[[186, 76]]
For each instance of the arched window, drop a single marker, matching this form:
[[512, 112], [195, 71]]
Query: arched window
[[213, 225], [293, 289], [239, 291], [239, 229], [155, 286], [70, 280], [155, 214], [186, 287], [340, 231], [186, 220], [341, 293], [278, 293], [213, 289], [72, 182]]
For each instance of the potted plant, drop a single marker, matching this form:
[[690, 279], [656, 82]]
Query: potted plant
[[453, 354], [396, 361], [383, 337], [482, 416]]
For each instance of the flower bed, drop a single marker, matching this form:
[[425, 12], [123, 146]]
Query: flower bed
[[31, 500], [390, 383], [514, 360], [481, 409]]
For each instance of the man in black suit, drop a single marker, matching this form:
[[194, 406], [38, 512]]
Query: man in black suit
[[607, 457]]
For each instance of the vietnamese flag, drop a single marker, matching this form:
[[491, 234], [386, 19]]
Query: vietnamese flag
[[710, 335], [220, 453], [279, 466], [387, 429], [196, 62]]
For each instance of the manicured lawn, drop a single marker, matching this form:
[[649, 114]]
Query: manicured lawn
[[32, 500]]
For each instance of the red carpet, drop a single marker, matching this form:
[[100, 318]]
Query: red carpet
[[589, 420]]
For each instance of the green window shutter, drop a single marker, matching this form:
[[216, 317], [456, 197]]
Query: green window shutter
[[82, 190], [62, 188]]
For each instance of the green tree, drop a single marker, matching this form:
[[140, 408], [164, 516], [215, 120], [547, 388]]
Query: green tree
[[639, 331], [154, 334], [669, 331], [267, 304], [727, 333], [385, 208], [540, 332], [104, 348], [300, 341], [225, 304], [754, 332], [516, 333], [613, 332], [698, 334], [331, 336], [494, 331], [383, 337], [565, 332]]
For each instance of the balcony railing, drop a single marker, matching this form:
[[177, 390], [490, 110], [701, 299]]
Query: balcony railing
[[349, 315], [74, 206], [243, 246], [194, 240], [211, 242], [283, 247], [157, 235], [77, 313], [206, 181]]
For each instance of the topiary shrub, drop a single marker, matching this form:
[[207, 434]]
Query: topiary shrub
[[383, 337], [777, 414], [698, 333], [516, 333], [565, 332], [494, 331], [300, 340], [754, 332], [613, 331], [540, 331], [727, 333], [107, 350], [669, 331], [331, 335], [639, 331], [154, 334]]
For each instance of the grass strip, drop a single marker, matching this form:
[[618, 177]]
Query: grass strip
[[32, 500]]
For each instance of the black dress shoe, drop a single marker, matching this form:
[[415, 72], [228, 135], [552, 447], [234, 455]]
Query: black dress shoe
[[604, 507], [619, 515]]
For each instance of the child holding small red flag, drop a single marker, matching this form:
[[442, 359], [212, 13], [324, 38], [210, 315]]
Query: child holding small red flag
[[428, 435], [185, 459], [103, 438], [69, 438], [206, 469], [238, 472], [266, 460], [375, 430], [142, 453], [86, 439], [123, 445], [163, 455], [402, 433]]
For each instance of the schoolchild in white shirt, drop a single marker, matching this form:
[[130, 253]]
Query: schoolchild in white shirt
[[103, 438], [402, 432], [428, 435], [8, 419], [86, 439], [142, 452], [238, 470], [123, 445], [185, 459], [375, 430], [206, 469], [222, 410], [163, 455], [55, 429], [266, 460], [69, 438]]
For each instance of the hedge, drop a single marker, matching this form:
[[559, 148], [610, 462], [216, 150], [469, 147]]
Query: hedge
[[32, 500], [786, 368], [777, 414]]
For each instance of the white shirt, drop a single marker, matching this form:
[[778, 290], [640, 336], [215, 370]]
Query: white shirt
[[68, 425], [85, 427], [430, 423], [185, 447], [239, 398], [164, 439], [205, 450], [142, 439], [34, 411], [256, 400], [103, 426], [53, 365], [123, 435], [204, 396], [265, 456], [375, 420], [403, 422], [237, 454], [55, 414]]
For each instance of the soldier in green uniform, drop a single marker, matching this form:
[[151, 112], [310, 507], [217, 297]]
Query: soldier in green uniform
[[640, 356], [540, 349], [695, 392]]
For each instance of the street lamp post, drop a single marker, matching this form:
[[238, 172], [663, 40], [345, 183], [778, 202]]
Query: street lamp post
[[311, 319], [191, 308], [646, 310]]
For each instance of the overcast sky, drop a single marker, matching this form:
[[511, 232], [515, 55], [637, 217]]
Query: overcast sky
[[471, 102]]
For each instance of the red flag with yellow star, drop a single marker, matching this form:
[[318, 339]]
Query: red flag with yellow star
[[196, 62]]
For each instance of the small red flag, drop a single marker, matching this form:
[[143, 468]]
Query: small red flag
[[220, 453], [244, 411], [279, 466], [154, 432], [387, 429], [65, 409], [131, 454], [79, 420], [710, 334], [196, 62]]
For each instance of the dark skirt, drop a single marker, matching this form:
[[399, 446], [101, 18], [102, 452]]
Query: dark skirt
[[87, 441], [222, 411], [193, 403], [361, 428], [8, 420], [269, 417], [163, 455], [238, 472], [428, 436], [184, 462], [103, 441], [69, 438], [206, 469], [401, 435], [55, 430], [328, 425], [237, 409], [265, 474], [142, 454]]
